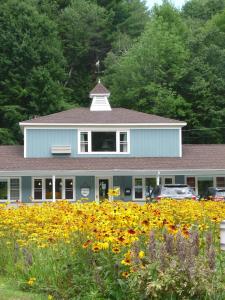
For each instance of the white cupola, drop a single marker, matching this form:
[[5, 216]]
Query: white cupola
[[99, 96]]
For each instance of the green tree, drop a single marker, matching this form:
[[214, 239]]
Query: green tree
[[204, 83], [83, 28], [31, 64], [146, 77], [203, 9]]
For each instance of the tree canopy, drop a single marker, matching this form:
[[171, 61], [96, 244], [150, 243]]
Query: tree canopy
[[165, 61]]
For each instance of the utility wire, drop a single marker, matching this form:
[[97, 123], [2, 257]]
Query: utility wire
[[200, 129]]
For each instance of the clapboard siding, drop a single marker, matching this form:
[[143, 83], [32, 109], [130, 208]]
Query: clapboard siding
[[143, 143]]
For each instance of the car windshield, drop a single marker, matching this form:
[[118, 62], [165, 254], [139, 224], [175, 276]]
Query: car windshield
[[220, 193], [177, 191]]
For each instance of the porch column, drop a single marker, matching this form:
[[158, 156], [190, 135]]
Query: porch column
[[158, 178], [53, 188]]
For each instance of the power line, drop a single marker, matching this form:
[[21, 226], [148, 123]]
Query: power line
[[200, 129]]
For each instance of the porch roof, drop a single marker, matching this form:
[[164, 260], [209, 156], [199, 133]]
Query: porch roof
[[195, 157]]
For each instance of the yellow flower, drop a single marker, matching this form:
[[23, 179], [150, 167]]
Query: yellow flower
[[50, 297], [141, 254], [31, 281], [125, 274]]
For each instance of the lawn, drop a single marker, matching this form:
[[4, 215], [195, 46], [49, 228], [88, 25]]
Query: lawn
[[9, 291]]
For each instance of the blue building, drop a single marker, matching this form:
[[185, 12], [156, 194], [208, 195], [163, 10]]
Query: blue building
[[83, 152]]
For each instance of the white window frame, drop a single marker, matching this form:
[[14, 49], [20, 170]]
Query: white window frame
[[118, 131], [7, 179], [44, 188], [143, 187]]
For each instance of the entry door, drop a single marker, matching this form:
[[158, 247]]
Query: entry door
[[102, 188]]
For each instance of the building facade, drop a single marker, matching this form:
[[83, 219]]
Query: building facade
[[83, 152]]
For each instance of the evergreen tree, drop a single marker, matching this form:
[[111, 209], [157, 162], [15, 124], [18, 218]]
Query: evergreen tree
[[32, 66]]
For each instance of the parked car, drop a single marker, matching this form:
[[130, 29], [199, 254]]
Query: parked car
[[174, 191], [215, 194]]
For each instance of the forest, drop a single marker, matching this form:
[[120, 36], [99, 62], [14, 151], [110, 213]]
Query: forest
[[164, 61]]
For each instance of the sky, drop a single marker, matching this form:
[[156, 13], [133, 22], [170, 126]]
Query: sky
[[178, 3]]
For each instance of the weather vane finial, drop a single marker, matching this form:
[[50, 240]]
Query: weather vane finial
[[97, 64]]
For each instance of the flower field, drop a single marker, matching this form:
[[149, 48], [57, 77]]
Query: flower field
[[57, 248]]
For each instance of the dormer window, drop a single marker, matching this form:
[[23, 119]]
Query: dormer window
[[98, 141]]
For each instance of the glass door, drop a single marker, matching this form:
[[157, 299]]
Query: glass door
[[103, 189]]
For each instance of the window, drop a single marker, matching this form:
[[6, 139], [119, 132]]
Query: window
[[138, 189], [38, 189], [168, 180], [220, 181], [14, 189], [3, 189], [69, 189], [10, 189], [143, 187], [58, 188], [103, 141], [95, 141], [123, 142], [150, 183], [48, 188], [191, 182], [84, 142], [43, 188]]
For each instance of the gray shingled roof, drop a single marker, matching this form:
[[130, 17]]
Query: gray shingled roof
[[115, 116], [99, 89], [194, 157]]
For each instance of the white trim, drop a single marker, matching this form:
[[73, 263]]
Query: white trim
[[118, 131], [112, 172], [180, 142], [53, 188], [74, 125], [97, 178], [25, 143]]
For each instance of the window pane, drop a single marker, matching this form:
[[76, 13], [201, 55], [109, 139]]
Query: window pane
[[123, 141], [58, 188], [38, 189], [220, 181], [84, 142], [3, 190], [150, 183], [103, 141], [138, 188], [191, 182], [84, 136], [84, 147], [14, 189], [168, 180], [123, 147], [48, 188], [69, 188], [123, 136]]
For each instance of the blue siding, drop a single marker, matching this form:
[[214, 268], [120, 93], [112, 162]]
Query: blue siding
[[85, 182], [155, 142], [143, 143], [40, 141], [123, 182], [26, 183]]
